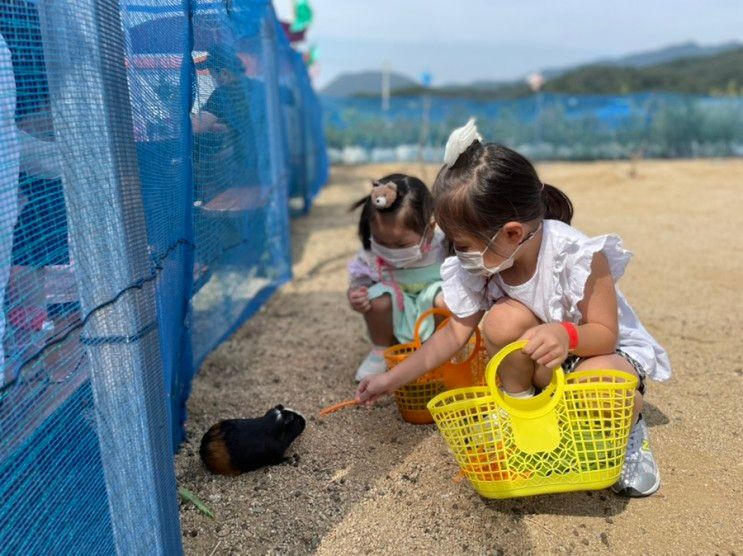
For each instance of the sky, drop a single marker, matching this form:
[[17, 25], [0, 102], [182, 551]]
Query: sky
[[460, 41]]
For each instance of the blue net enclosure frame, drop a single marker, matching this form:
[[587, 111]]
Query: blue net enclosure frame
[[153, 152]]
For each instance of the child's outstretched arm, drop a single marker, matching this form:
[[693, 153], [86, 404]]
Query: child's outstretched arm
[[438, 349]]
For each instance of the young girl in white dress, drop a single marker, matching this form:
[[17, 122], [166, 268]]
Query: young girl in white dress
[[521, 266]]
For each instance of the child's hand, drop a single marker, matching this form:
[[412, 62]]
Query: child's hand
[[359, 299], [547, 344], [372, 388]]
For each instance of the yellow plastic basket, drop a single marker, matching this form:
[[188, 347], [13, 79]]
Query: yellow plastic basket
[[572, 436], [466, 368]]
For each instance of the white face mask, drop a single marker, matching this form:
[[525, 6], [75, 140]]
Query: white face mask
[[401, 256], [474, 261]]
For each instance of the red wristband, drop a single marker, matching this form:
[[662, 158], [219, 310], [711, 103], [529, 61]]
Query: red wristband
[[572, 331]]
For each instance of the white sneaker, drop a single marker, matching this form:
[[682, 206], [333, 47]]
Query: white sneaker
[[373, 363], [640, 476]]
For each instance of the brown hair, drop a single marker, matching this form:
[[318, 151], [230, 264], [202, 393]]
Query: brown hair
[[413, 203], [490, 185]]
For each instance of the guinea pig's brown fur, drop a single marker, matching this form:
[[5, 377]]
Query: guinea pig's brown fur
[[214, 452]]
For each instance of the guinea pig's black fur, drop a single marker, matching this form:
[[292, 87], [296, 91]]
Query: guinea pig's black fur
[[234, 446]]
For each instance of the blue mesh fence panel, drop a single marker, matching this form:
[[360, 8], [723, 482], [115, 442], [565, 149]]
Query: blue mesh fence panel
[[149, 152], [50, 460], [240, 172], [157, 37], [302, 119], [291, 112], [317, 165]]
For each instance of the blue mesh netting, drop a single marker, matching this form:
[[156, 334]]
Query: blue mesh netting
[[307, 158], [151, 151]]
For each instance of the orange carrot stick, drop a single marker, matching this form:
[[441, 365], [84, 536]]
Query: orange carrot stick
[[337, 407]]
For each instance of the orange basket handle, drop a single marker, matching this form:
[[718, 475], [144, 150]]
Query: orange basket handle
[[443, 312], [422, 318]]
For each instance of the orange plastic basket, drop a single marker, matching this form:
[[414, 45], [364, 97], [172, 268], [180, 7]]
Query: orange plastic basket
[[466, 368]]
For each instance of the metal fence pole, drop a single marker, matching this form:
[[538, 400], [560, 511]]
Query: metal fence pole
[[85, 55]]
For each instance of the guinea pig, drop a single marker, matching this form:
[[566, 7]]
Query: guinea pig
[[234, 446]]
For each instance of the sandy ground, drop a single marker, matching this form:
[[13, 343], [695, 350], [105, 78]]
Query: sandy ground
[[364, 481]]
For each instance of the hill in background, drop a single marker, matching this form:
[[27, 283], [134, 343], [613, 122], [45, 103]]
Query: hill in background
[[365, 83], [653, 57], [682, 68], [716, 74]]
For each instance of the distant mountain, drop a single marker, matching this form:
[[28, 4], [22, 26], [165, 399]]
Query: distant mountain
[[365, 83], [652, 57], [479, 85], [684, 68], [712, 74], [720, 73], [674, 52]]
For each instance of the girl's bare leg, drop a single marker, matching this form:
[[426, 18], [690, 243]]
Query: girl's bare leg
[[506, 322], [379, 321]]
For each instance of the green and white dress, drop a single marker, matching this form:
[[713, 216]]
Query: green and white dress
[[413, 289]]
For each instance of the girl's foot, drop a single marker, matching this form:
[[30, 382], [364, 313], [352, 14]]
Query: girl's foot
[[373, 364], [640, 476]]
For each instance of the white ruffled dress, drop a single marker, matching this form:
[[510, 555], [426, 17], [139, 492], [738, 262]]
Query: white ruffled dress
[[556, 288]]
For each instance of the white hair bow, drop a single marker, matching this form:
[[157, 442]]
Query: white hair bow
[[459, 141]]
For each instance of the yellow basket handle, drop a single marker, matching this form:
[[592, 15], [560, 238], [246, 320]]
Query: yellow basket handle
[[445, 313], [532, 407]]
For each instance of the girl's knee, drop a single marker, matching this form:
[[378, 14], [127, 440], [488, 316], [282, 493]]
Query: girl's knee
[[381, 304], [506, 322], [604, 362]]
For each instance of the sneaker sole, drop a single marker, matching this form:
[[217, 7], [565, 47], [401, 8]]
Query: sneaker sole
[[630, 492]]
